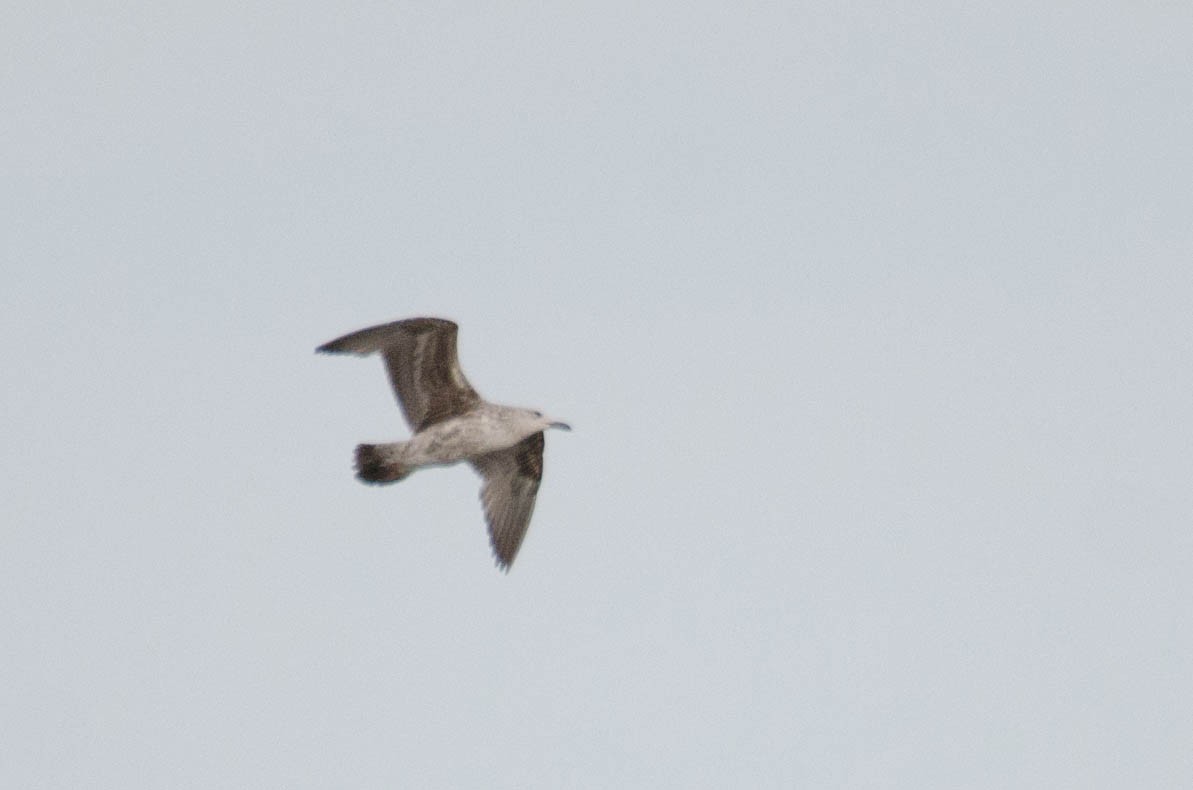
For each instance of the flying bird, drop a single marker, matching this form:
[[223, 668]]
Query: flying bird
[[451, 423]]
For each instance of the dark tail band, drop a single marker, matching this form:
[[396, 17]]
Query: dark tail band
[[372, 466]]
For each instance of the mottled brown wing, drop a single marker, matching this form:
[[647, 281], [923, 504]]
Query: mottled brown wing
[[420, 358], [511, 484]]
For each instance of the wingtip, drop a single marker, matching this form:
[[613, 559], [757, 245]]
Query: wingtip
[[502, 558], [333, 347]]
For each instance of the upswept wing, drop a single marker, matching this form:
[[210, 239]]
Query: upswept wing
[[420, 358], [511, 483]]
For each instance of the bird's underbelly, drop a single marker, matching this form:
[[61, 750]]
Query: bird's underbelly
[[459, 439]]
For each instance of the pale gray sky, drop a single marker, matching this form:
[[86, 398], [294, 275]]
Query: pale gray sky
[[875, 326]]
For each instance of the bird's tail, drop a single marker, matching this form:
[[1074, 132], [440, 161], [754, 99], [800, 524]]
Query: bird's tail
[[377, 463]]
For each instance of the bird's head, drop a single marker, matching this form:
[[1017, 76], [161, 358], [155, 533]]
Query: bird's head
[[543, 422]]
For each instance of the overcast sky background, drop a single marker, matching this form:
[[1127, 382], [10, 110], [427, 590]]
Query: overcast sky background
[[874, 324]]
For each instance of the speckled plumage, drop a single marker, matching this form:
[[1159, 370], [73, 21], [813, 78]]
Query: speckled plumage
[[451, 423]]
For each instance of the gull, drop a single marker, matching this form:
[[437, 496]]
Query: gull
[[451, 423]]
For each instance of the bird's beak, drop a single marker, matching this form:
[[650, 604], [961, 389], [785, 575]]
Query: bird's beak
[[561, 425]]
